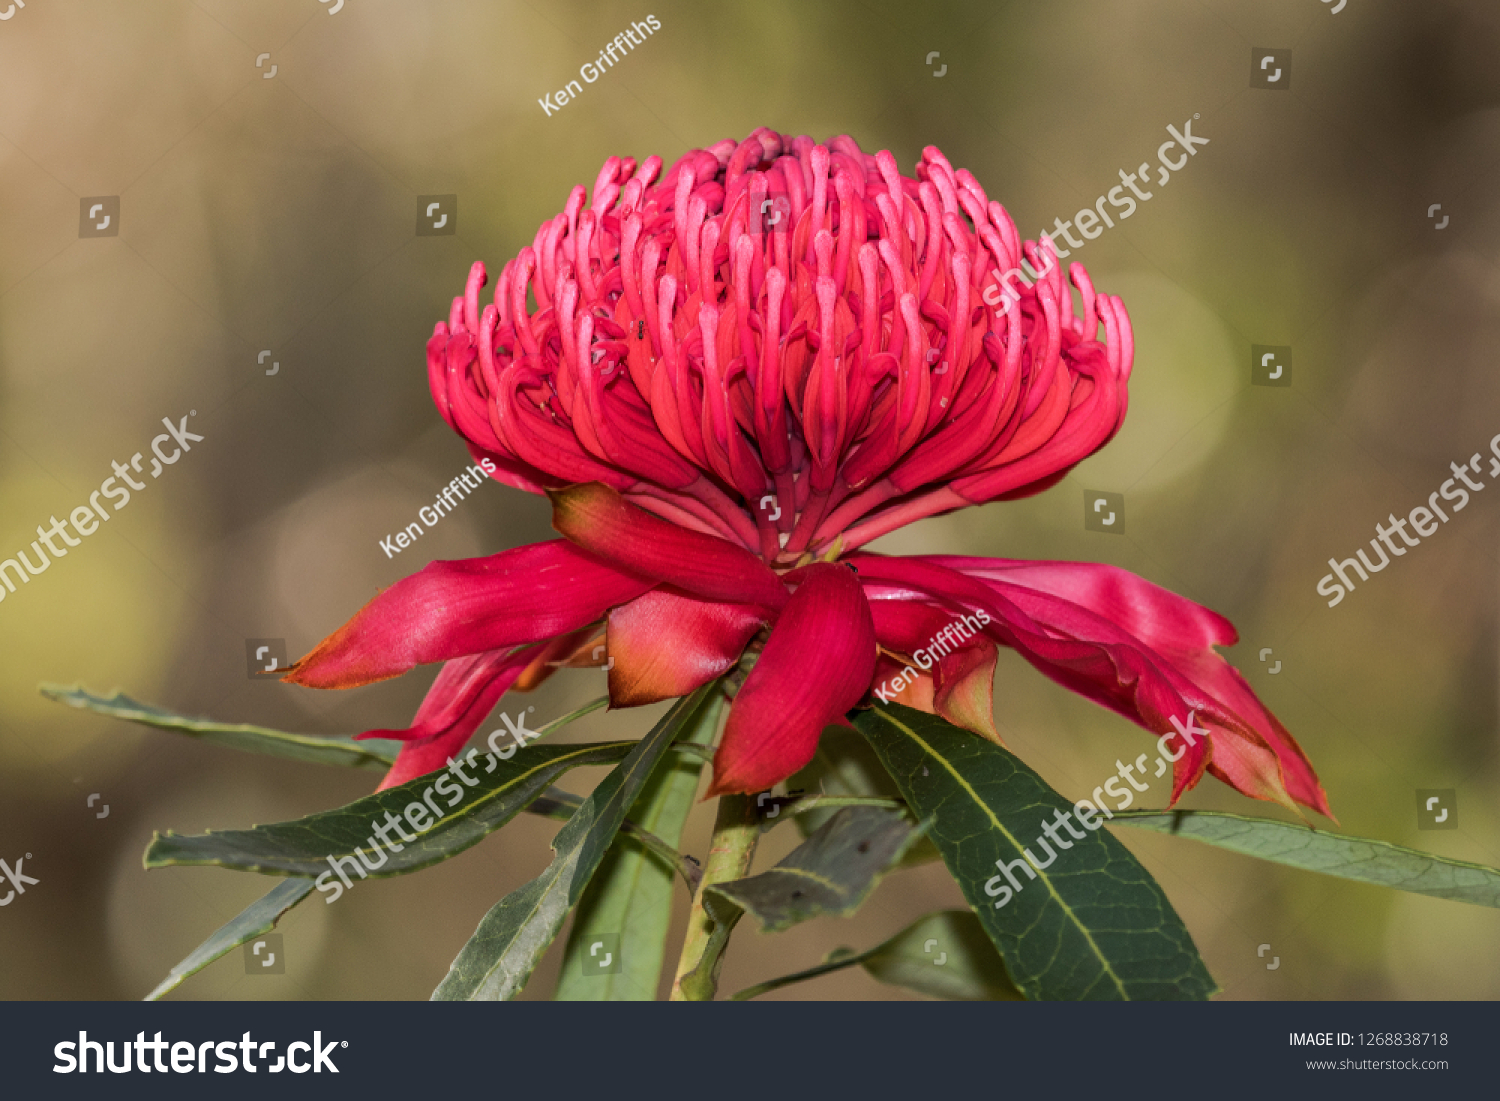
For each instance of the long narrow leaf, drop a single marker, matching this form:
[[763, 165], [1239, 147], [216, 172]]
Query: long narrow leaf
[[312, 845], [262, 915], [376, 754], [844, 767], [511, 938], [458, 812], [259, 917], [1356, 858]]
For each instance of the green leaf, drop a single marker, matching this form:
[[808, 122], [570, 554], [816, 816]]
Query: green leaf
[[376, 754], [783, 809], [1092, 924], [961, 966], [501, 790], [1356, 858], [511, 938], [560, 804], [845, 766], [259, 917], [832, 872], [629, 900], [945, 955]]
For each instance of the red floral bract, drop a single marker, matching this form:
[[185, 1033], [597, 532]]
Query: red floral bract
[[730, 377]]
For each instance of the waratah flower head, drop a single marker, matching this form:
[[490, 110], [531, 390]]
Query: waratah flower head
[[788, 345], [731, 377]]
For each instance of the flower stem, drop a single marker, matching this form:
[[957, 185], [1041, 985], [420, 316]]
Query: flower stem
[[736, 831]]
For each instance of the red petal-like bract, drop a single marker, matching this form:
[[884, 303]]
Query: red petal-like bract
[[964, 688], [816, 665], [957, 674], [664, 645], [1127, 644], [453, 609], [464, 693], [600, 520]]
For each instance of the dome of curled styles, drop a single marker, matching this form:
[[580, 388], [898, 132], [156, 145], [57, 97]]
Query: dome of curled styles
[[787, 345]]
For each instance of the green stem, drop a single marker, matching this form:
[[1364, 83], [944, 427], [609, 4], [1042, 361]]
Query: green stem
[[736, 831]]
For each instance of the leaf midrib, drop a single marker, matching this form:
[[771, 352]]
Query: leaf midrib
[[525, 924], [489, 796], [456, 814], [1041, 873], [822, 881]]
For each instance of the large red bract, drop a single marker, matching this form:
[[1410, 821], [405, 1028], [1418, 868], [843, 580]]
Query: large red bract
[[732, 376]]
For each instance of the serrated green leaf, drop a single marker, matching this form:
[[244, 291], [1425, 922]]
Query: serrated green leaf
[[501, 790], [1092, 924], [832, 872], [944, 955], [1357, 858], [376, 754], [305, 846], [629, 899], [511, 938], [845, 765], [259, 917]]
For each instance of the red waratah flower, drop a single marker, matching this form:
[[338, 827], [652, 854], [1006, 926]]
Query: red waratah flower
[[736, 374]]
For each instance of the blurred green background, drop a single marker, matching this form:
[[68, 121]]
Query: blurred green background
[[278, 214]]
